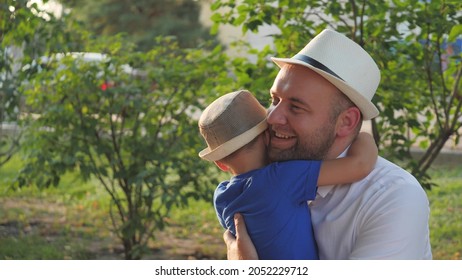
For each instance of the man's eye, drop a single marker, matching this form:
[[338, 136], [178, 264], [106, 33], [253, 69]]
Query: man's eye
[[295, 108]]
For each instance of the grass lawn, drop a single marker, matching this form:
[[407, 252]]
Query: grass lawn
[[70, 222], [446, 213]]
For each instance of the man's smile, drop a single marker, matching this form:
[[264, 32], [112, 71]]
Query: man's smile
[[283, 136], [280, 140]]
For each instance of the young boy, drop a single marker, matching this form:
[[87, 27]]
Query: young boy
[[271, 197]]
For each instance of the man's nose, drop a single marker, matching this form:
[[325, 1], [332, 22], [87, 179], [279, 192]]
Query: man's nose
[[276, 115]]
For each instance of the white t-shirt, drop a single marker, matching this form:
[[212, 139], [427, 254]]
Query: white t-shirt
[[383, 216]]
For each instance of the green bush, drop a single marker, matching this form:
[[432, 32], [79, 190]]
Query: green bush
[[128, 120]]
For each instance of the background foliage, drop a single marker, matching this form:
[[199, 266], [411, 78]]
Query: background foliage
[[142, 20], [416, 44], [129, 120]]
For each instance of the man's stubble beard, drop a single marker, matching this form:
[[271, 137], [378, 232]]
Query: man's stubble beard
[[312, 147]]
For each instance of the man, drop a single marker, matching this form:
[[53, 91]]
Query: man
[[319, 99]]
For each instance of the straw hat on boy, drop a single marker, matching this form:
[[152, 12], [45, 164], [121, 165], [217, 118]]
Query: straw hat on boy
[[229, 123]]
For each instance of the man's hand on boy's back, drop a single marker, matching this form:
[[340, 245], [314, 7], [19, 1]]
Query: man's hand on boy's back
[[241, 246]]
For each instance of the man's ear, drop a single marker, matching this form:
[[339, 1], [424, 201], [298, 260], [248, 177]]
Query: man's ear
[[348, 121], [222, 166]]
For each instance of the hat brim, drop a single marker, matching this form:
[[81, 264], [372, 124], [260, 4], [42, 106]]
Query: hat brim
[[367, 108], [234, 144]]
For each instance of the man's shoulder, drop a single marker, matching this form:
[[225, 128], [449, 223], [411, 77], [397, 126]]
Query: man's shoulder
[[390, 178], [387, 170]]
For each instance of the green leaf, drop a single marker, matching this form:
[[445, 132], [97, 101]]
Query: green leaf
[[456, 31]]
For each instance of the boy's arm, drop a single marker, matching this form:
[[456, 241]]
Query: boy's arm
[[358, 163]]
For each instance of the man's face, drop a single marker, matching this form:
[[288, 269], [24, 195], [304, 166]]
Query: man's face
[[300, 118]]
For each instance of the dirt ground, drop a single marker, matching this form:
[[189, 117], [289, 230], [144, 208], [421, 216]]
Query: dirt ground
[[53, 223]]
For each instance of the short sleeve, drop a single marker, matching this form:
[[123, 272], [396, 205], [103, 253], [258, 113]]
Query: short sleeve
[[298, 178]]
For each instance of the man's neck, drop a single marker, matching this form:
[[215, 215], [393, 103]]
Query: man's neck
[[339, 146]]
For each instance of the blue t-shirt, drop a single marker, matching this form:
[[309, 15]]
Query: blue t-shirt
[[273, 201]]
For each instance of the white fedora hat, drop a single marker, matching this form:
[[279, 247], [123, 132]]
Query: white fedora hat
[[343, 63], [229, 123]]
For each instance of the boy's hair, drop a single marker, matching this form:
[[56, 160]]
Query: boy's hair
[[229, 123]]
